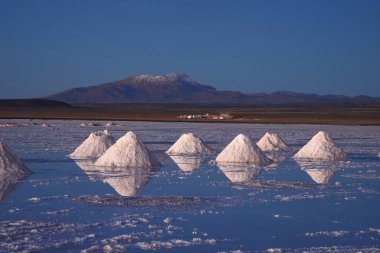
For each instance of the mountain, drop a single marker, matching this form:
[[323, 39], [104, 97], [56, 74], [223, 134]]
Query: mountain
[[180, 88]]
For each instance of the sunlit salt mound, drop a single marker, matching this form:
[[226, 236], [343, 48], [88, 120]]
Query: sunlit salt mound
[[12, 171], [321, 147], [188, 163], [94, 146], [242, 150], [189, 144], [240, 174], [128, 152], [272, 142]]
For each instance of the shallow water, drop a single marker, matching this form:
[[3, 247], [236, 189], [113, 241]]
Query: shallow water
[[193, 205]]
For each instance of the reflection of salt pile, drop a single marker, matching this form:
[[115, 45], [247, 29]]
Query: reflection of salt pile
[[240, 174], [272, 142], [321, 173], [188, 163], [126, 183], [321, 147], [12, 170], [189, 144], [129, 152], [94, 146], [277, 158], [242, 150]]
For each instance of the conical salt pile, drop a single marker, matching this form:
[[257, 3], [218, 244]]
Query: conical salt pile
[[128, 151], [272, 142], [10, 164], [240, 174], [188, 164], [321, 147], [12, 171], [189, 144], [242, 150], [94, 146]]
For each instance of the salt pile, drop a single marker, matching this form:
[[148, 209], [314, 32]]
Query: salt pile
[[189, 144], [129, 152], [321, 147], [94, 146], [12, 171], [9, 162], [240, 174], [188, 163], [272, 142], [242, 150]]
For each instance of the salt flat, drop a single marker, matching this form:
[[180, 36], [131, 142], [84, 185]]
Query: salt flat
[[293, 206]]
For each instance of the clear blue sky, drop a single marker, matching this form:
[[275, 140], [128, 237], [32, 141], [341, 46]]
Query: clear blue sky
[[323, 47]]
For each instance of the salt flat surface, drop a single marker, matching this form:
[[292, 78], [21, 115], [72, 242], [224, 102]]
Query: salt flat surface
[[189, 204]]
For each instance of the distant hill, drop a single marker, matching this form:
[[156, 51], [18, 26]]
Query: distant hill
[[38, 102], [180, 88]]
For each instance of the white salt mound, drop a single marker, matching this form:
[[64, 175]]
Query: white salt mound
[[321, 147], [10, 164], [272, 142], [129, 152], [94, 146], [242, 150], [189, 144], [12, 171]]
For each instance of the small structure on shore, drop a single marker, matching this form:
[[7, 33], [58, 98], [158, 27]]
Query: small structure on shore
[[322, 148], [128, 152], [189, 144], [272, 142], [94, 146], [242, 150]]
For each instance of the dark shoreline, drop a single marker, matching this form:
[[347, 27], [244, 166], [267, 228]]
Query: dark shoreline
[[290, 114]]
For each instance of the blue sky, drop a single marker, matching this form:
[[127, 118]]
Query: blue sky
[[323, 47]]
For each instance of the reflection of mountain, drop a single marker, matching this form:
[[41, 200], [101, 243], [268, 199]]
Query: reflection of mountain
[[188, 163], [321, 173], [9, 183], [126, 183], [240, 174]]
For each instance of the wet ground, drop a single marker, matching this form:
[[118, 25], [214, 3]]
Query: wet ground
[[189, 204]]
